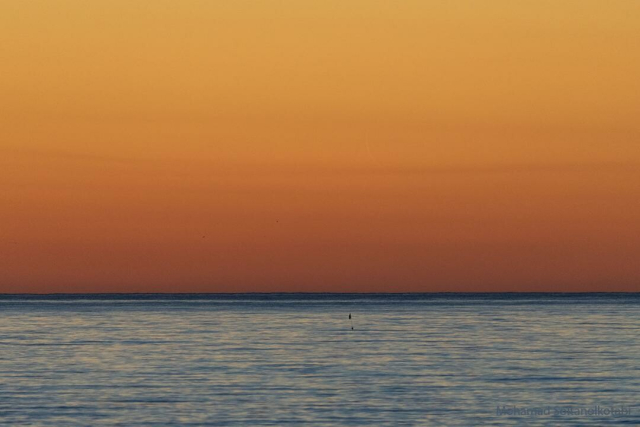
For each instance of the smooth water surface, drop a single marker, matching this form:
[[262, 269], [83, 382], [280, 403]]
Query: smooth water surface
[[250, 360]]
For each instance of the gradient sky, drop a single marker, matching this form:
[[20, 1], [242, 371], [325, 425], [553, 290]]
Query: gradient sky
[[297, 145]]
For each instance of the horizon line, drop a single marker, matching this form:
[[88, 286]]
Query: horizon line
[[2, 294]]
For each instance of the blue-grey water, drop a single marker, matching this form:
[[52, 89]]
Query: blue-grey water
[[251, 360]]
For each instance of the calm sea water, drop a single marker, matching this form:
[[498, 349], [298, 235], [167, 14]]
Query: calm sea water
[[250, 360]]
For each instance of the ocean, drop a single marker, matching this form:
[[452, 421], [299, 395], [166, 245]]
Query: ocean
[[293, 359]]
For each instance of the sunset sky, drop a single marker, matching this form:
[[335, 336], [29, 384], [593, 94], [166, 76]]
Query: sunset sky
[[298, 145]]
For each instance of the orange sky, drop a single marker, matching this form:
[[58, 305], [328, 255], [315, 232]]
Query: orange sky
[[297, 145]]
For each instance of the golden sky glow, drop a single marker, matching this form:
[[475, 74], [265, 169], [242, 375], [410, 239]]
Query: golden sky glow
[[297, 145]]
